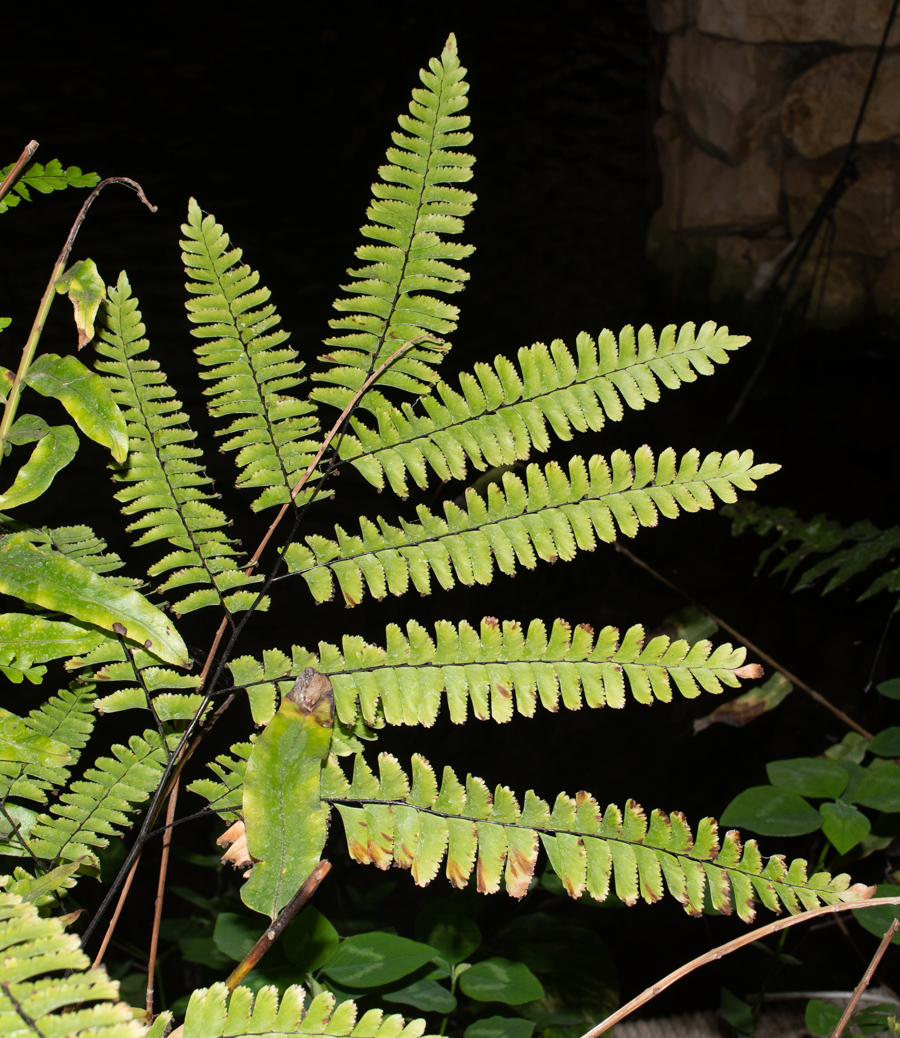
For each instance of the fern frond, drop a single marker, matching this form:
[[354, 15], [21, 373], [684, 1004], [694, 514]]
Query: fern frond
[[416, 824], [225, 794], [252, 368], [505, 669], [99, 805], [44, 179], [414, 205], [848, 550], [552, 518], [78, 543], [169, 490], [32, 1003], [28, 640], [66, 718], [502, 412], [213, 1013]]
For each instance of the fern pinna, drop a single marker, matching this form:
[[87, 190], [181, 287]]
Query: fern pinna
[[279, 789]]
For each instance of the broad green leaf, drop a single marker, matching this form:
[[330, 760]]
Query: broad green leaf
[[852, 748], [822, 1017], [843, 825], [85, 288], [283, 811], [85, 396], [452, 932], [425, 995], [27, 428], [808, 776], [370, 960], [771, 812], [886, 743], [40, 639], [58, 583], [310, 940], [52, 453], [235, 934], [737, 1012], [890, 688], [878, 920], [500, 1027], [880, 789], [501, 980]]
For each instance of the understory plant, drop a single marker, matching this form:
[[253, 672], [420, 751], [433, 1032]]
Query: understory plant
[[300, 773]]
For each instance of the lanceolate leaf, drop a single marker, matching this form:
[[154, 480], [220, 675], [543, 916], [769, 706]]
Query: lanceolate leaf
[[283, 811], [84, 287], [551, 518], [52, 453], [416, 822], [55, 582], [27, 639], [85, 396]]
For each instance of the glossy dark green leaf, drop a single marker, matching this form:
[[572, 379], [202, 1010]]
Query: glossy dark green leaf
[[886, 743], [500, 980], [452, 932], [370, 960], [890, 688], [822, 1017], [736, 1012], [880, 789], [52, 453], [425, 995], [808, 776], [52, 581], [771, 812], [500, 1027], [310, 940], [84, 287], [85, 396], [878, 920], [843, 825], [235, 934]]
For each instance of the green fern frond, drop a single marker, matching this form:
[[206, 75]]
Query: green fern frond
[[99, 805], [275, 434], [505, 669], [44, 179], [78, 543], [501, 413], [67, 719], [414, 205], [552, 518], [225, 794], [848, 550], [169, 490], [416, 824], [32, 1003], [213, 1013]]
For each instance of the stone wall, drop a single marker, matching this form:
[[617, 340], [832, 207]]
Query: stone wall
[[758, 101]]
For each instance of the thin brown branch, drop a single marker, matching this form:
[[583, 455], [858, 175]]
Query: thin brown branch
[[866, 980], [726, 949], [160, 894], [21, 162], [773, 663], [120, 904], [310, 886]]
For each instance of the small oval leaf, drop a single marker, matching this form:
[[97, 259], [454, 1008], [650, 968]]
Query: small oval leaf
[[808, 776], [844, 826], [369, 960], [771, 812], [501, 980]]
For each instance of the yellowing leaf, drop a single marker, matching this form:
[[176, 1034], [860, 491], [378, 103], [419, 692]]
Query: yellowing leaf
[[84, 287]]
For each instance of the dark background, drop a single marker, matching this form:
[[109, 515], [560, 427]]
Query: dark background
[[276, 122]]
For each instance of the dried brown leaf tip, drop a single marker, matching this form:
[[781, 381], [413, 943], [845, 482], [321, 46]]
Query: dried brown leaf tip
[[238, 853]]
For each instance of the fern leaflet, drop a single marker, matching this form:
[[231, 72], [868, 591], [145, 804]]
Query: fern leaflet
[[169, 488], [417, 824], [34, 1004], [414, 204], [500, 413], [552, 518], [212, 1013], [44, 179], [275, 433]]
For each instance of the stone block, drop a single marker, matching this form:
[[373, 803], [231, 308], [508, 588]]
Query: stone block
[[821, 106], [855, 23], [670, 15], [728, 93], [867, 216], [834, 293], [701, 192], [744, 265]]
